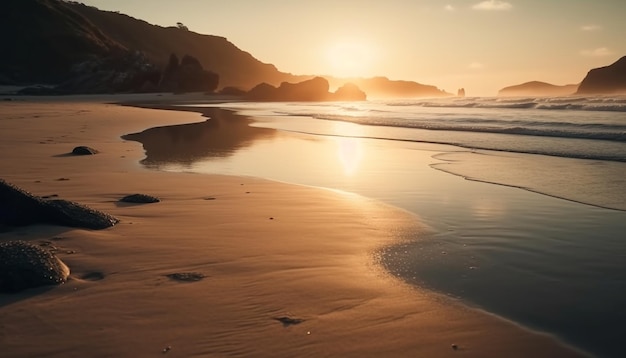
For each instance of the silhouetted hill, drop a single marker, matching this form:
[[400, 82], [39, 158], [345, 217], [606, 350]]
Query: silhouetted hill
[[536, 88], [43, 39], [84, 49], [235, 67], [605, 80], [381, 87]]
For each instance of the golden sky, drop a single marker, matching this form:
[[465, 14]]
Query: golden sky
[[479, 45]]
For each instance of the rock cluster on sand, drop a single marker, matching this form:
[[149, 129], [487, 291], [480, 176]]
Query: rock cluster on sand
[[19, 207], [23, 266]]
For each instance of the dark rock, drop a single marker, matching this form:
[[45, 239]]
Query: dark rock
[[140, 199], [187, 76], [186, 276], [23, 266], [19, 207], [232, 91], [287, 321], [349, 92], [68, 213], [605, 80], [262, 92], [83, 150], [315, 89]]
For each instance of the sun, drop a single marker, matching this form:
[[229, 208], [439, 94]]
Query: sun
[[351, 58]]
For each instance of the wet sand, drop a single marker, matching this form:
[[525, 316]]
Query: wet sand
[[223, 265]]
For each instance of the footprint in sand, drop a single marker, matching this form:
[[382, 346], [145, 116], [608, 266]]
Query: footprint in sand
[[93, 276]]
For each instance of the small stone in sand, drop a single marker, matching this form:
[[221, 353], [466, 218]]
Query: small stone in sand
[[186, 276], [140, 199], [454, 347], [288, 321], [84, 150]]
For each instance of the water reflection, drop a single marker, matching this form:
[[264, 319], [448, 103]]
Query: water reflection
[[220, 136], [349, 149]]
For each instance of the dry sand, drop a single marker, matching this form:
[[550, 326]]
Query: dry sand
[[266, 250]]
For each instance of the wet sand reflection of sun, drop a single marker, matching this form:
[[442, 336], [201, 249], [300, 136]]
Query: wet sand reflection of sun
[[349, 149]]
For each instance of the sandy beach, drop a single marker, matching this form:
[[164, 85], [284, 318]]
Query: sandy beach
[[287, 271]]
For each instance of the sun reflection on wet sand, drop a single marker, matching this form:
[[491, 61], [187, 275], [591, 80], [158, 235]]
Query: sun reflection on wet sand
[[350, 151]]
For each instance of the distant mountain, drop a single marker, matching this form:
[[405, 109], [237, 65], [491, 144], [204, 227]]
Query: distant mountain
[[605, 80], [381, 87], [77, 46], [536, 88]]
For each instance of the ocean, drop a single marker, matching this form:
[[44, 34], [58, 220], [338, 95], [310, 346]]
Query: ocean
[[524, 198]]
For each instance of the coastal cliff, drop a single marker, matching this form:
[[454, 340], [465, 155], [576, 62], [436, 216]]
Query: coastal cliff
[[46, 41], [605, 80]]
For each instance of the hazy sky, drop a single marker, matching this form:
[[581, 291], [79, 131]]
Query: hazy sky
[[479, 45]]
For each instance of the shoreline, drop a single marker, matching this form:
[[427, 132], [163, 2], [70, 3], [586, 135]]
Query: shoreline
[[254, 267]]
